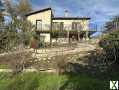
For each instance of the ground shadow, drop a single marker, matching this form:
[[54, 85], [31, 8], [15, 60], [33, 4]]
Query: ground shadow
[[79, 75]]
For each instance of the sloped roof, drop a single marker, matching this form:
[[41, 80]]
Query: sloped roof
[[57, 18], [38, 11]]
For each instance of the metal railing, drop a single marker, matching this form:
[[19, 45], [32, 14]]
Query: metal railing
[[43, 27], [66, 27]]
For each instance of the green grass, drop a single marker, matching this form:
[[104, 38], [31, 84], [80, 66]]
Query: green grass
[[3, 66], [45, 81], [84, 82], [31, 81], [48, 81]]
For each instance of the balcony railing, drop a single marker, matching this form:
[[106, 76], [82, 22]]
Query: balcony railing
[[43, 27], [66, 27]]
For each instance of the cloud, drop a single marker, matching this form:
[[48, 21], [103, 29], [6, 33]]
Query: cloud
[[99, 10]]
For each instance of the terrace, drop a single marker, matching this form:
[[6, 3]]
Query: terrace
[[67, 30]]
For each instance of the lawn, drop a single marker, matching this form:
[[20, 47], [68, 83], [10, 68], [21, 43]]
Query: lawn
[[47, 81], [3, 66]]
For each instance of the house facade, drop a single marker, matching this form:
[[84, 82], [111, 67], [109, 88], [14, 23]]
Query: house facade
[[54, 29]]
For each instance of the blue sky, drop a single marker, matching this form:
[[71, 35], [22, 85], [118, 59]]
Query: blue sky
[[100, 11]]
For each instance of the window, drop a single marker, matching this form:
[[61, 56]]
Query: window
[[58, 25], [76, 26], [39, 25]]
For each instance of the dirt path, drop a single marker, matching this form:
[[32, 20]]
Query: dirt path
[[45, 56], [49, 53]]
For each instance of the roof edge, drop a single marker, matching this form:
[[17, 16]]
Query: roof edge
[[71, 18], [35, 12]]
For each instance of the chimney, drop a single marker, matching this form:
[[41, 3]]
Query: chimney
[[66, 13]]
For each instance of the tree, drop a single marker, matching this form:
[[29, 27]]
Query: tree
[[10, 7], [22, 28], [1, 17], [19, 30], [110, 45], [1, 12], [23, 7], [112, 25], [110, 41], [19, 9], [15, 38]]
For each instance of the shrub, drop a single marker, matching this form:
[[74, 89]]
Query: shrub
[[110, 44]]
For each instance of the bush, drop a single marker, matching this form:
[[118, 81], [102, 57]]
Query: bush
[[110, 44]]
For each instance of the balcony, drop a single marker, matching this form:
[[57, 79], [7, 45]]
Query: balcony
[[65, 28], [43, 27]]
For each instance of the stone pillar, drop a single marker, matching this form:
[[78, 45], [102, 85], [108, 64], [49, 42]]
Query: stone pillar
[[50, 39], [78, 36], [84, 36], [68, 37], [87, 33]]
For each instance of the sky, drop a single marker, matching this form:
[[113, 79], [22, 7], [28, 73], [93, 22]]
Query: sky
[[100, 11]]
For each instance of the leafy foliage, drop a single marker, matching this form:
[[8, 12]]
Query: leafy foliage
[[10, 7], [16, 33], [20, 9], [1, 18], [23, 7], [112, 25], [110, 44], [46, 81]]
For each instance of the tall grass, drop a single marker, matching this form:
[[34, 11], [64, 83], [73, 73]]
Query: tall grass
[[31, 81], [46, 81]]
